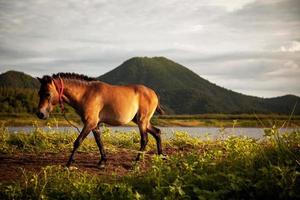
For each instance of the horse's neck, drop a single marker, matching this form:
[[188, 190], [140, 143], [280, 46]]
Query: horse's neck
[[73, 93]]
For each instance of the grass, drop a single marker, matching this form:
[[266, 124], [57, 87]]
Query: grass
[[25, 119], [225, 168], [55, 141]]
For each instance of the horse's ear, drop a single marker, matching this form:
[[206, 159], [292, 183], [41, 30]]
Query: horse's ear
[[48, 79], [45, 79]]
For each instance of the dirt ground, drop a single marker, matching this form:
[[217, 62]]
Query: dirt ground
[[119, 163]]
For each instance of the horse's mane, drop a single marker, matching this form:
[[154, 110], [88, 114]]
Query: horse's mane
[[73, 76]]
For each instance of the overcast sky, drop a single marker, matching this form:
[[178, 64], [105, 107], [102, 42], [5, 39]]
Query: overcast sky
[[248, 46]]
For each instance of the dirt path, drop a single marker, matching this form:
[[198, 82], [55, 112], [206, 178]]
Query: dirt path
[[119, 163], [10, 165]]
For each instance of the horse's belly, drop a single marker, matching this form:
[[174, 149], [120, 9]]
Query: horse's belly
[[116, 117]]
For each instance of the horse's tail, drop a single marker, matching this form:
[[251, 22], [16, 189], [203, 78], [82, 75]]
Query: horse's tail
[[160, 109]]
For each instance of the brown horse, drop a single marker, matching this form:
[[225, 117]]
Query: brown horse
[[98, 102]]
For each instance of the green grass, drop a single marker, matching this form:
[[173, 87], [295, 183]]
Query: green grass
[[55, 141], [24, 119], [231, 168]]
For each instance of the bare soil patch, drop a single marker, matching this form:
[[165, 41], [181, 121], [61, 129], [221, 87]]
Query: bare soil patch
[[119, 163]]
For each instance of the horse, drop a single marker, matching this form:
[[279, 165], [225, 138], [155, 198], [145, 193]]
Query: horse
[[99, 102]]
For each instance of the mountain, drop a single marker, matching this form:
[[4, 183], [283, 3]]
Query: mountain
[[182, 91], [15, 79]]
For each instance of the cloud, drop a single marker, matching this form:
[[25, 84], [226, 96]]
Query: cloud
[[232, 43], [289, 69], [292, 47], [231, 6], [252, 73]]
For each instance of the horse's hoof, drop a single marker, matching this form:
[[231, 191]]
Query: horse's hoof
[[101, 166], [73, 168], [163, 156], [137, 159], [69, 163]]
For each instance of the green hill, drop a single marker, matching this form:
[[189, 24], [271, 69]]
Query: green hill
[[183, 92], [14, 79]]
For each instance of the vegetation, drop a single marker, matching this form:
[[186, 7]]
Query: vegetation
[[18, 100], [19, 95], [19, 105], [229, 120], [201, 120], [226, 168], [24, 119], [22, 102]]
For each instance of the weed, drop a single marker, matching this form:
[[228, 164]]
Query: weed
[[226, 168]]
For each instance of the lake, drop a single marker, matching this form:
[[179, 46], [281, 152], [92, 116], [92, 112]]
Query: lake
[[167, 132]]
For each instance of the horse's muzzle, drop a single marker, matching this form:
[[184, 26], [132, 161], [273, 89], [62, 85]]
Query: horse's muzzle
[[41, 115]]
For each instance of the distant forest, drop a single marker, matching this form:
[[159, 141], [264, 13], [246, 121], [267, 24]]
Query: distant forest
[[18, 100], [21, 100]]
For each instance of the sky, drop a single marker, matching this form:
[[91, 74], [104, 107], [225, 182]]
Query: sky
[[248, 46]]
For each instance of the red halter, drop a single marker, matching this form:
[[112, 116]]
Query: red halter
[[60, 89]]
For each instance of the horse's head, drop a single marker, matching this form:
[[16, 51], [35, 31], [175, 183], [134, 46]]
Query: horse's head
[[49, 97]]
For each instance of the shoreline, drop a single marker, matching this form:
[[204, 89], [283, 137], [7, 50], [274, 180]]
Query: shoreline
[[203, 120]]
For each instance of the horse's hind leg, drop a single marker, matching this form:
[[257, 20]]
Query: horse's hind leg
[[155, 132], [97, 135], [144, 138]]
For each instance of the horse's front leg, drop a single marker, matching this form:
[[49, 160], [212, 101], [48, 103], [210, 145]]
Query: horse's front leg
[[97, 135], [84, 132]]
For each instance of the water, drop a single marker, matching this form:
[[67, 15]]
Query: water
[[167, 132]]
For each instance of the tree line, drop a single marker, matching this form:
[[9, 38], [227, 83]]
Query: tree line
[[21, 100], [18, 100]]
